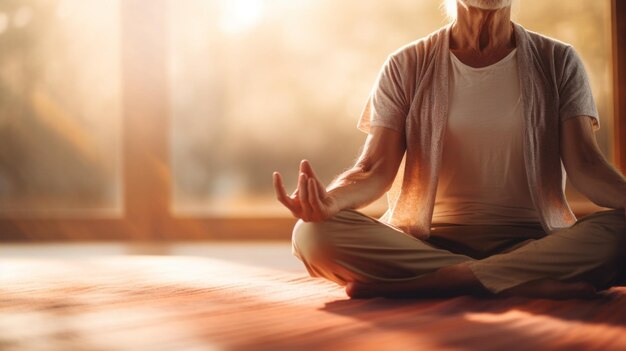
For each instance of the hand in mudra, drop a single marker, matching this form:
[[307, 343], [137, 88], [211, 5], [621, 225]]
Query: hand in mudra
[[310, 201]]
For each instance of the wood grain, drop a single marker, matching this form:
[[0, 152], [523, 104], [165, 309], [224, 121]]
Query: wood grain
[[195, 303]]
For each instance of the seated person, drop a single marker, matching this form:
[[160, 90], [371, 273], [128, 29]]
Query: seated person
[[485, 113]]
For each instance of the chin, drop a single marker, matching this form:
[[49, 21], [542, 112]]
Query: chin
[[488, 4]]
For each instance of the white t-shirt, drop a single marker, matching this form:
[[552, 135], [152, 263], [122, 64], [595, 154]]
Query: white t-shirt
[[483, 178]]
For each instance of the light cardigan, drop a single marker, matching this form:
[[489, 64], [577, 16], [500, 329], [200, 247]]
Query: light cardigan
[[411, 96]]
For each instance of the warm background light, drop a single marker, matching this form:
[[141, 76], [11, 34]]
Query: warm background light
[[60, 107], [252, 86], [240, 15], [291, 83]]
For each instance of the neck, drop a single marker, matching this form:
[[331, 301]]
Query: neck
[[481, 31]]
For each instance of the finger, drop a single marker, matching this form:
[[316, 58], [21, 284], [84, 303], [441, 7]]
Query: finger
[[321, 189], [313, 198], [304, 197], [301, 169], [305, 166], [315, 201], [281, 194], [279, 188]]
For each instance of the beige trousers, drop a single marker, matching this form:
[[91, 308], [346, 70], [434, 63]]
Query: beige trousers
[[354, 247]]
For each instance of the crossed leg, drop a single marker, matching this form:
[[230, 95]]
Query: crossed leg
[[373, 259]]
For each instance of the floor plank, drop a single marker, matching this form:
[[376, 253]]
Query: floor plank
[[225, 298]]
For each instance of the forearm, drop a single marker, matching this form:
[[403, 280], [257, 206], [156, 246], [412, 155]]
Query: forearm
[[358, 187], [601, 183]]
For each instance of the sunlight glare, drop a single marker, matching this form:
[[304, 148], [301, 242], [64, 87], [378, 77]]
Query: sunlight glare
[[544, 324], [22, 16], [450, 8], [4, 21], [240, 15]]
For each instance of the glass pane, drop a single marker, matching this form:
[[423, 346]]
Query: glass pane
[[258, 85], [59, 107]]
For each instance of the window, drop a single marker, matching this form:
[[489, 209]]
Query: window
[[60, 108], [165, 119]]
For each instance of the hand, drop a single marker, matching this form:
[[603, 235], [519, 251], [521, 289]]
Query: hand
[[310, 201]]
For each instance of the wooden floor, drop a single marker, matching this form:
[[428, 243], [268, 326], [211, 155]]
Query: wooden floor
[[256, 296]]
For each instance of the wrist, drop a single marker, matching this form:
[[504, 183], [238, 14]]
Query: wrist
[[339, 202]]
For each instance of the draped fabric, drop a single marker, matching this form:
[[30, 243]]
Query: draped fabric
[[411, 96]]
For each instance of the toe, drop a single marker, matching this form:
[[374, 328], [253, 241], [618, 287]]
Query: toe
[[352, 290], [356, 290]]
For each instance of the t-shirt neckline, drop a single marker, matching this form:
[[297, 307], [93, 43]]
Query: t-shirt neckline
[[478, 69]]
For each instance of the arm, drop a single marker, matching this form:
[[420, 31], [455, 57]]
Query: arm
[[586, 167], [374, 171], [366, 181]]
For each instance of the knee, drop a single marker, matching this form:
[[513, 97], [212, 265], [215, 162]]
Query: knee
[[612, 254], [611, 227], [312, 241], [608, 257]]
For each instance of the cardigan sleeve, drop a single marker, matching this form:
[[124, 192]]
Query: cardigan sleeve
[[575, 97], [387, 105]]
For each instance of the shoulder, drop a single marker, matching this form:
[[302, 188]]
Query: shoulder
[[419, 50], [549, 50]]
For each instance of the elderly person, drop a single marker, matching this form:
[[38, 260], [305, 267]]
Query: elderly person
[[485, 114]]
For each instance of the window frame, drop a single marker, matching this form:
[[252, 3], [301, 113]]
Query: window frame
[[147, 177], [618, 25]]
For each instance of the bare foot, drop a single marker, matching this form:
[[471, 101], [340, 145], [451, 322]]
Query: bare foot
[[358, 290], [459, 280], [553, 289], [448, 281]]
